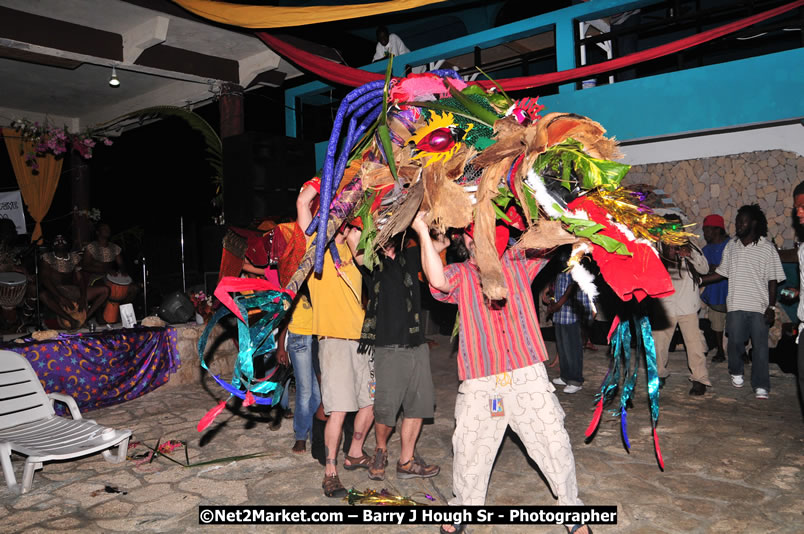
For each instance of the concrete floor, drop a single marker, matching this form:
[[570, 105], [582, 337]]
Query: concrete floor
[[733, 464]]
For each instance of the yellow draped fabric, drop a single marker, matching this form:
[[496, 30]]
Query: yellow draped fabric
[[281, 17], [37, 188]]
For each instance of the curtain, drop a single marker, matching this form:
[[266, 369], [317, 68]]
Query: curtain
[[334, 72], [280, 16], [37, 188]]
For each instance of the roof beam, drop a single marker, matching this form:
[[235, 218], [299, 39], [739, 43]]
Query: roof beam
[[139, 38], [51, 33], [168, 58]]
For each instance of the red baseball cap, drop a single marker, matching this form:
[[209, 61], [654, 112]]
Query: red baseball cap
[[714, 220]]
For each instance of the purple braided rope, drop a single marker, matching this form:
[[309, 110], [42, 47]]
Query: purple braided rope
[[327, 178]]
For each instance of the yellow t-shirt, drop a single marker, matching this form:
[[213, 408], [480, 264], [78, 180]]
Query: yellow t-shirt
[[301, 320], [337, 306]]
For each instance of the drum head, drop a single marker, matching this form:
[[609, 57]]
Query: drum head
[[120, 279], [12, 279]]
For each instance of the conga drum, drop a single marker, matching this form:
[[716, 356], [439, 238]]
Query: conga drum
[[12, 292], [118, 288]]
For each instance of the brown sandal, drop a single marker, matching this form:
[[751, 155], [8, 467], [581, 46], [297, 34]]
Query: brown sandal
[[332, 486], [416, 468], [361, 462]]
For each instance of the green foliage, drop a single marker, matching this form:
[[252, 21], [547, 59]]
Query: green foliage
[[474, 108], [369, 233], [564, 157], [382, 129], [589, 230]]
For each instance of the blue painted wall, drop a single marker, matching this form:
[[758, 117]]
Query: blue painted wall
[[760, 89], [754, 90]]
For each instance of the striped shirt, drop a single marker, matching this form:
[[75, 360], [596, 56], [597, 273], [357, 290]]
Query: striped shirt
[[571, 311], [501, 337], [749, 269]]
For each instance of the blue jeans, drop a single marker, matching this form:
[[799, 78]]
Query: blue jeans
[[308, 396], [570, 352], [740, 325]]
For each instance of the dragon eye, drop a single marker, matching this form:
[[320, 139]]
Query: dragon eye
[[439, 140]]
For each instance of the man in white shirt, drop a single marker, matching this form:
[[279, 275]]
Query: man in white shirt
[[389, 44], [753, 268], [685, 265]]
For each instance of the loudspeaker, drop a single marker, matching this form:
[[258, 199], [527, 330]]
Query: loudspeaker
[[262, 175], [176, 308]]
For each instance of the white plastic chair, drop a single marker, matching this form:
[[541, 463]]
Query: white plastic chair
[[30, 426]]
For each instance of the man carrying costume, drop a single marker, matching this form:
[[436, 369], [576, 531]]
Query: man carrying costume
[[392, 328], [504, 379], [346, 376]]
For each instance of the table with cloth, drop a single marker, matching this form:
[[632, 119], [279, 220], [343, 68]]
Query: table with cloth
[[104, 368]]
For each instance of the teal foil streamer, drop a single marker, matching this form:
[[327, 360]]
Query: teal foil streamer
[[623, 344], [630, 376], [650, 362], [254, 340]]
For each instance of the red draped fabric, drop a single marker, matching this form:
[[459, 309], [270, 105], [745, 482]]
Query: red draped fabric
[[353, 77]]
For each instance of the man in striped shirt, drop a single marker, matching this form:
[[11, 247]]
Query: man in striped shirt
[[753, 268], [504, 380]]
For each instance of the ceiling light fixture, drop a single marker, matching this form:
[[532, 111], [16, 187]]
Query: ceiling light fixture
[[113, 80]]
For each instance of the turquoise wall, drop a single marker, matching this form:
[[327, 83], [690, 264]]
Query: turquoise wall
[[759, 89], [755, 90]]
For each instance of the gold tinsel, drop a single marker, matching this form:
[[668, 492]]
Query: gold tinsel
[[626, 208]]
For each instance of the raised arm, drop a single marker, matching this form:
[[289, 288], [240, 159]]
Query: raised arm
[[352, 239], [304, 202], [431, 261]]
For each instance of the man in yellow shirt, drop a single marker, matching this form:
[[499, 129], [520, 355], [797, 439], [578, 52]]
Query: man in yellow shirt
[[347, 378]]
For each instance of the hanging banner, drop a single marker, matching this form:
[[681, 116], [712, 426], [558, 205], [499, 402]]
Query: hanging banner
[[11, 208]]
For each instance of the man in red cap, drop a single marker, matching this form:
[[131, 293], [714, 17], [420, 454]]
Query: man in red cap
[[504, 381], [714, 295]]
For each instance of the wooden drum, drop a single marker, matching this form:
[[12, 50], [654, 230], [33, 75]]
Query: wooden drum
[[118, 289]]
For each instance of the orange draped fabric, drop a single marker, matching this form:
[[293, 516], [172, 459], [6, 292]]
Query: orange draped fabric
[[38, 187], [247, 16]]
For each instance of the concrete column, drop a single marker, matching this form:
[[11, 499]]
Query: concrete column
[[230, 107]]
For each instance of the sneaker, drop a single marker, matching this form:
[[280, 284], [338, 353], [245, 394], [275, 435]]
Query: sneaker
[[698, 388], [572, 389], [378, 465], [761, 393], [559, 382], [737, 381], [416, 468]]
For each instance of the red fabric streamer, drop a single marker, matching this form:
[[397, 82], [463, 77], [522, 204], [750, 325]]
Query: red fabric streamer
[[658, 450], [210, 416], [334, 72], [249, 400], [638, 276], [232, 284], [595, 419]]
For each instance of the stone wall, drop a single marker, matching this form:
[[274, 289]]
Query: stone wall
[[221, 353], [723, 184]]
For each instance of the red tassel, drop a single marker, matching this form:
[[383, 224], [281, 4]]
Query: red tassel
[[249, 400], [595, 419], [210, 416], [658, 450]]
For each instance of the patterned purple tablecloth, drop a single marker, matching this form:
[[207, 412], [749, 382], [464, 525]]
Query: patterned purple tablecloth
[[103, 368]]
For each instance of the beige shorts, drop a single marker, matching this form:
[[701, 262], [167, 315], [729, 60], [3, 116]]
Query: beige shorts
[[346, 376], [717, 319]]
